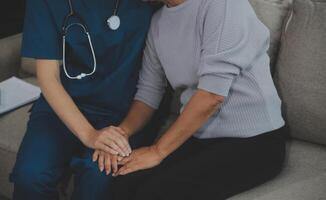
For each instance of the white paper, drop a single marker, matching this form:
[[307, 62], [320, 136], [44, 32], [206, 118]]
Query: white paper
[[15, 93]]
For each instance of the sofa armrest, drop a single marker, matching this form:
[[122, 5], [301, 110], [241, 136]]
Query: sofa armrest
[[10, 57]]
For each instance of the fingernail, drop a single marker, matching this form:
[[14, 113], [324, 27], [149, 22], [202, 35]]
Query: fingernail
[[107, 172], [102, 169]]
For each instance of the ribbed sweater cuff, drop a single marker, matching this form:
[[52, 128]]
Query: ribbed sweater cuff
[[215, 84], [150, 98]]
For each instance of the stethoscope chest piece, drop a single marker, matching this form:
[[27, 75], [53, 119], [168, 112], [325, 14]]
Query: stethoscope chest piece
[[114, 22]]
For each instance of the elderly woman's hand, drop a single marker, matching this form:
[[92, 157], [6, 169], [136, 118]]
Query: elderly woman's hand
[[140, 159]]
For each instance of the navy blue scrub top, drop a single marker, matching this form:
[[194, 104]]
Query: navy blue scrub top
[[111, 89]]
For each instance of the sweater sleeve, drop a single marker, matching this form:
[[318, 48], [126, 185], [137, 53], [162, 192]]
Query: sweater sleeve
[[232, 37], [152, 81]]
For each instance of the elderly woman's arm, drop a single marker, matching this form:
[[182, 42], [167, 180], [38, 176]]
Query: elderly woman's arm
[[199, 109], [137, 118], [226, 52], [151, 88]]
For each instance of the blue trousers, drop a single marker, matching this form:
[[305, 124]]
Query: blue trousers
[[49, 150]]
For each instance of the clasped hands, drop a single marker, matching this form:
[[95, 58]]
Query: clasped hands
[[114, 154]]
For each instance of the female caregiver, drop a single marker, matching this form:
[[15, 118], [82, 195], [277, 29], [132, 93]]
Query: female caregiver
[[228, 137], [100, 44]]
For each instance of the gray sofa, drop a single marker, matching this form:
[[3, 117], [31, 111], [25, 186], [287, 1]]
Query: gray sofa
[[298, 60]]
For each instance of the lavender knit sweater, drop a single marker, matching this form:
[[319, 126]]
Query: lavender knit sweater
[[219, 46]]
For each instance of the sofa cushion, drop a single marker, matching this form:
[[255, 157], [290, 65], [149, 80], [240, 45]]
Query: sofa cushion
[[272, 13], [301, 71], [7, 160], [9, 56], [304, 176], [13, 125]]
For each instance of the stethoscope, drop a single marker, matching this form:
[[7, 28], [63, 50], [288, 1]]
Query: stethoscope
[[113, 22]]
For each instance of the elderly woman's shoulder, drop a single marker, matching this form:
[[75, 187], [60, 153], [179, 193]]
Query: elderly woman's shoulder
[[235, 8], [154, 22], [213, 5], [221, 3], [157, 14]]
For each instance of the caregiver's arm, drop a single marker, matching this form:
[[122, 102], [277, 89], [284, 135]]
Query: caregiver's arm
[[151, 87], [48, 74]]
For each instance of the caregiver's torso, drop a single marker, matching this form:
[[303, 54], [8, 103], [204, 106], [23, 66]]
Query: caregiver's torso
[[118, 52], [252, 106]]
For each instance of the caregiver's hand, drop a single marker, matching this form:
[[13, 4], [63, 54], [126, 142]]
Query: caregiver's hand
[[140, 159], [112, 140], [106, 161]]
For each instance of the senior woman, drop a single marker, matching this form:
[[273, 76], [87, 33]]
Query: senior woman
[[228, 137]]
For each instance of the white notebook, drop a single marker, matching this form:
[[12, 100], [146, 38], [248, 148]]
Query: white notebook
[[15, 93]]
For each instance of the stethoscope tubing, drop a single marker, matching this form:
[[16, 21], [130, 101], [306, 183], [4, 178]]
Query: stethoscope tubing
[[82, 75], [65, 29]]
